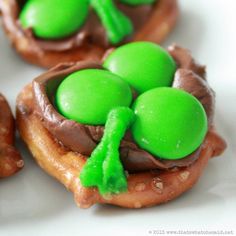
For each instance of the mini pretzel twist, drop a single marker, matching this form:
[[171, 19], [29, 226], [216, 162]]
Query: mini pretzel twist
[[159, 24], [144, 189], [10, 159]]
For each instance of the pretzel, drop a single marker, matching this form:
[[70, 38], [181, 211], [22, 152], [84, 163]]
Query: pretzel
[[10, 159], [144, 189], [159, 25]]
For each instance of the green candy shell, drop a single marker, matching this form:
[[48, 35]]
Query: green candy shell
[[54, 19], [143, 65], [87, 96], [170, 123]]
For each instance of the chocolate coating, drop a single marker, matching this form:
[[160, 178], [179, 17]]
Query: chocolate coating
[[185, 60], [192, 83], [84, 138]]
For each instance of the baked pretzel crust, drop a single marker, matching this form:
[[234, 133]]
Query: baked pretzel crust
[[144, 189], [10, 159], [156, 29]]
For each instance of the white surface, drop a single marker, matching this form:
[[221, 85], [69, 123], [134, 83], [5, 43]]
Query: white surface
[[32, 203]]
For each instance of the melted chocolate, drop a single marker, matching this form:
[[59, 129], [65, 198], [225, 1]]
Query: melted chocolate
[[192, 83], [84, 138], [184, 60]]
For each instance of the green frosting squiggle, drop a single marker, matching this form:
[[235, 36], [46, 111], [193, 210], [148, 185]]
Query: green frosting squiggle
[[104, 169], [115, 22]]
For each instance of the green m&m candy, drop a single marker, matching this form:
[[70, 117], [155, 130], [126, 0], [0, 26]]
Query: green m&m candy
[[87, 96], [170, 123], [54, 19], [143, 65]]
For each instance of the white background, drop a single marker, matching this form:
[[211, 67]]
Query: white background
[[32, 203]]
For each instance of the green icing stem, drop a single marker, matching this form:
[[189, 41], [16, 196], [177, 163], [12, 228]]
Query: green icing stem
[[117, 25], [104, 168], [137, 2]]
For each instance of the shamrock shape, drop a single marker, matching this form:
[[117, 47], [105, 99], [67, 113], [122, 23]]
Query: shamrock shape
[[55, 19], [167, 122]]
